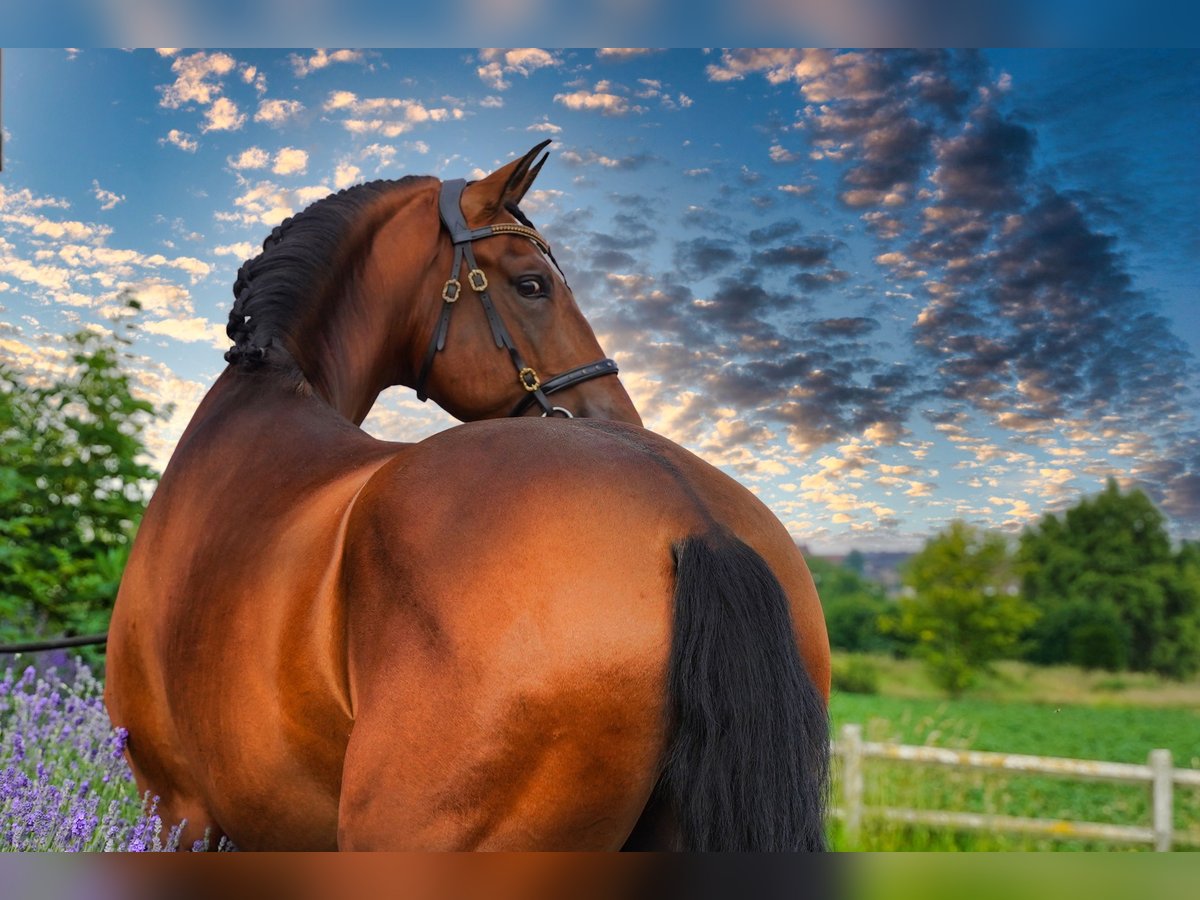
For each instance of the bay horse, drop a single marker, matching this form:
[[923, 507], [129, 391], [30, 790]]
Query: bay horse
[[524, 632]]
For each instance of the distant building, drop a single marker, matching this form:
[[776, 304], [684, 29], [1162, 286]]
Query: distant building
[[882, 566]]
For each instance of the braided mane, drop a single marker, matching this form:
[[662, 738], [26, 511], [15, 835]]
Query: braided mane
[[282, 287]]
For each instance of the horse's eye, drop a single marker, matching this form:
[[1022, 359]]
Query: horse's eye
[[531, 287]]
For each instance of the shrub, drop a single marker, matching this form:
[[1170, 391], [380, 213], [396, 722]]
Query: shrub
[[855, 675]]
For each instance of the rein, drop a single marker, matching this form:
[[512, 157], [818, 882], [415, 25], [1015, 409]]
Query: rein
[[83, 640], [463, 236]]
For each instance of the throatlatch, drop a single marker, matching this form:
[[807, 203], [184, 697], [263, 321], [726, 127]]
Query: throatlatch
[[462, 235]]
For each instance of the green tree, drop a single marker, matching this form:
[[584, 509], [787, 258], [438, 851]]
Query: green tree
[[1111, 591], [853, 607], [72, 489], [962, 611]]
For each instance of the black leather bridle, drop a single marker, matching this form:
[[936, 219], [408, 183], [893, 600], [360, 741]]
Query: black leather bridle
[[462, 236]]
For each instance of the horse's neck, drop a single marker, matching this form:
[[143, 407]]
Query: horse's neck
[[265, 410], [367, 338]]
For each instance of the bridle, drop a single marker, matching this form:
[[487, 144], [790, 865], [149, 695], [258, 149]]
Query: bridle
[[462, 236]]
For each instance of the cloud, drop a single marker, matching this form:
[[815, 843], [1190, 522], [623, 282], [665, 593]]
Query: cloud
[[702, 257], [845, 327], [598, 100], [545, 126], [25, 199], [191, 329], [811, 253], [278, 112], [621, 54], [251, 75], [776, 230], [180, 139], [250, 158], [303, 66], [223, 115], [389, 116], [777, 65], [345, 175], [796, 190], [386, 153], [266, 203], [290, 161], [197, 79], [113, 263], [986, 165], [240, 250], [57, 229], [591, 158], [54, 278], [780, 154], [107, 199], [496, 63]]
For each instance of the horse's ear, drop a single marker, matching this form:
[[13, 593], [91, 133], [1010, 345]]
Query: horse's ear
[[483, 200]]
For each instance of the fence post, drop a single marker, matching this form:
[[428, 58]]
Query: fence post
[[1161, 786], [852, 781]]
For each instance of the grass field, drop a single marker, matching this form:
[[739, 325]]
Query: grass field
[[1022, 709]]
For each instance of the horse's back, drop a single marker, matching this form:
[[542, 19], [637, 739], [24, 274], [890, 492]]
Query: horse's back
[[587, 497]]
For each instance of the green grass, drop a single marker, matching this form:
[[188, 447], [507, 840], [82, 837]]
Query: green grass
[[1022, 710]]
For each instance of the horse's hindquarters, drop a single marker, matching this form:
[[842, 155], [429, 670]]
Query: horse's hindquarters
[[508, 679]]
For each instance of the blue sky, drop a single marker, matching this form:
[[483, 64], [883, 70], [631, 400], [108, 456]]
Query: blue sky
[[885, 290]]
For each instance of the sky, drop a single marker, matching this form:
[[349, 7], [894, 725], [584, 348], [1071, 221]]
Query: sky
[[884, 290]]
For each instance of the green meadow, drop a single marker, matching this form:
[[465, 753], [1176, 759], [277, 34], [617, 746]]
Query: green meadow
[[1060, 711]]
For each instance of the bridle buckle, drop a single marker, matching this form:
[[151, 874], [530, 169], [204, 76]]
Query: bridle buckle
[[451, 290], [478, 280], [529, 379]]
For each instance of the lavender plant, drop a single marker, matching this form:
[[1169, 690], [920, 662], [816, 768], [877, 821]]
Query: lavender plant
[[64, 781]]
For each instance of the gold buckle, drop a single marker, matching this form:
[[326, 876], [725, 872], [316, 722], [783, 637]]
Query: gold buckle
[[524, 375], [451, 290], [478, 284]]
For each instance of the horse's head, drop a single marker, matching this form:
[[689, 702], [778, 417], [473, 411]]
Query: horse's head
[[502, 334]]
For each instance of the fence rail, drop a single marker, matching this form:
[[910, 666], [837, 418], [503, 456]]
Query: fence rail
[[1158, 774]]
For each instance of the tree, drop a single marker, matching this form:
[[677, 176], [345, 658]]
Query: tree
[[853, 607], [72, 489], [962, 611], [1112, 592]]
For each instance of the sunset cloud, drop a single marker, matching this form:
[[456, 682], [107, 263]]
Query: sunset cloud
[[302, 66], [496, 64]]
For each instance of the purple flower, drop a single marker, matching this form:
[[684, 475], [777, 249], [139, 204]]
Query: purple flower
[[120, 742], [60, 761]]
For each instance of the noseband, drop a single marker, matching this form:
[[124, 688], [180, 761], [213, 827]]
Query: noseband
[[462, 235]]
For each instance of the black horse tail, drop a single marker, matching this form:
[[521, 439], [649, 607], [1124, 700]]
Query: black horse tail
[[748, 767]]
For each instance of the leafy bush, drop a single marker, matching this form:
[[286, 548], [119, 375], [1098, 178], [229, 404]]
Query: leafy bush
[[1104, 573], [855, 675], [853, 606], [963, 612], [73, 484]]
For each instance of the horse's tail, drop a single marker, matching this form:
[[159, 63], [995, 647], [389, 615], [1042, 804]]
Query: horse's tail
[[749, 761]]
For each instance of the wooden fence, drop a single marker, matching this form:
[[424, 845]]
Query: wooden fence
[[1158, 774]]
